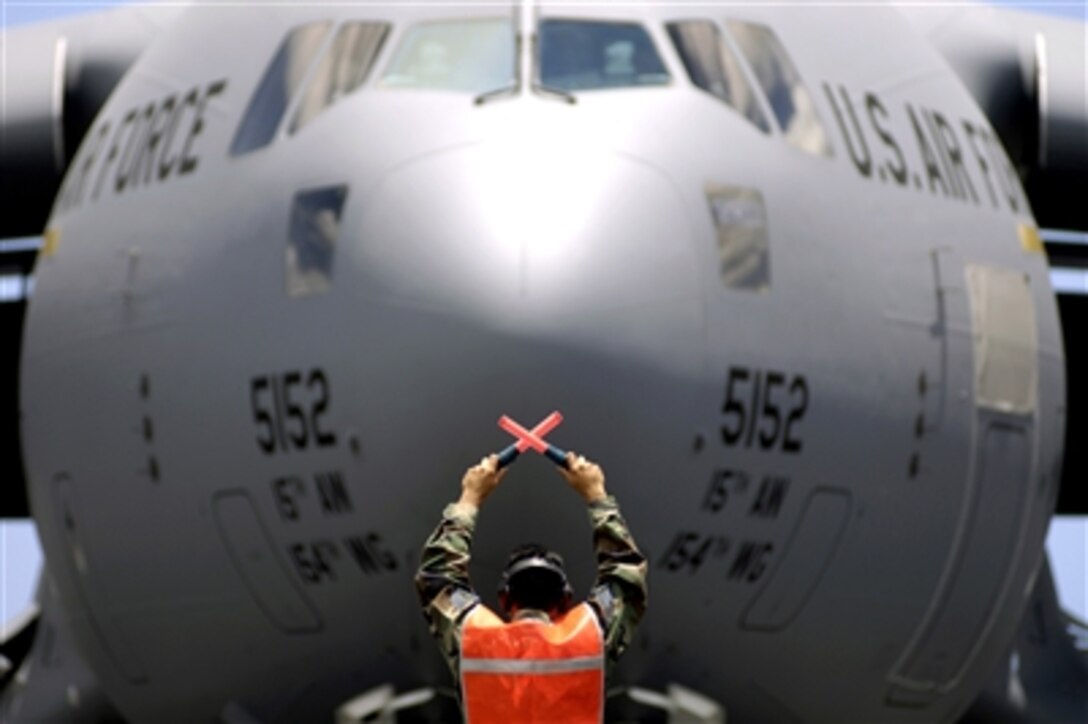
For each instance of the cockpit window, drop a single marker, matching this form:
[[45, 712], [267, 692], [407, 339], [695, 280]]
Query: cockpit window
[[789, 99], [471, 56], [714, 68], [274, 92], [577, 55], [342, 70]]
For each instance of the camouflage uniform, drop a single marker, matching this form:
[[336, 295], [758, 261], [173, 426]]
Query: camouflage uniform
[[618, 596]]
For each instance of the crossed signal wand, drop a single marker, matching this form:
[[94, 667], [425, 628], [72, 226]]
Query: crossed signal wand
[[531, 439]]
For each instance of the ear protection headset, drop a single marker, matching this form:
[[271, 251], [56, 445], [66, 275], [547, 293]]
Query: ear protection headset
[[544, 560]]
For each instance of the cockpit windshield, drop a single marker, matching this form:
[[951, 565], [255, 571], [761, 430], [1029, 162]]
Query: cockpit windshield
[[578, 55], [472, 56]]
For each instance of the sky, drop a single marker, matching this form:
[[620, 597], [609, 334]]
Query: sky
[[20, 555], [28, 11], [19, 12]]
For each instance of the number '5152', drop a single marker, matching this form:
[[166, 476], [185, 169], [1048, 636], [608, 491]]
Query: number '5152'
[[764, 407], [288, 410]]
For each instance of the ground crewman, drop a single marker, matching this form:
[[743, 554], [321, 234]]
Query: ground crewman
[[546, 661]]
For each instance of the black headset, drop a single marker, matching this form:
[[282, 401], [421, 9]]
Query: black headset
[[546, 560]]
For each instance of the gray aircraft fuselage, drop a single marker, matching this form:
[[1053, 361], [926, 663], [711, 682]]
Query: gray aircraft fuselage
[[826, 386]]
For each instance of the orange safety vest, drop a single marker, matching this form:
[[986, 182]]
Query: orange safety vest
[[530, 670]]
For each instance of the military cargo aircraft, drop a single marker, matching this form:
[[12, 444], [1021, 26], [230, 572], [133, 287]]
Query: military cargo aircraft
[[774, 262]]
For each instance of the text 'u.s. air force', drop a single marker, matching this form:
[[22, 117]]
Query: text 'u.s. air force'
[[946, 157], [148, 144]]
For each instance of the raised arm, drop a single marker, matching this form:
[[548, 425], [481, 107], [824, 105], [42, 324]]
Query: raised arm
[[619, 593], [442, 581]]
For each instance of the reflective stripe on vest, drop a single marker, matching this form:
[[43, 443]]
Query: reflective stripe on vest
[[531, 670]]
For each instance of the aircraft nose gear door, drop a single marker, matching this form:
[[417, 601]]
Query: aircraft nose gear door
[[264, 574], [996, 507]]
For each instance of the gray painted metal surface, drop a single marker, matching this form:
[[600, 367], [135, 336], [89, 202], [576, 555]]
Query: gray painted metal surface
[[231, 481]]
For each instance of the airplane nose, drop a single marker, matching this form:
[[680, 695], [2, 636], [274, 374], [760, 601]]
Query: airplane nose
[[528, 235], [521, 278]]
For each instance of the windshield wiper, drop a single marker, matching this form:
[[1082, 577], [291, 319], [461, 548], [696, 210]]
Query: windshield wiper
[[557, 93], [510, 90]]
